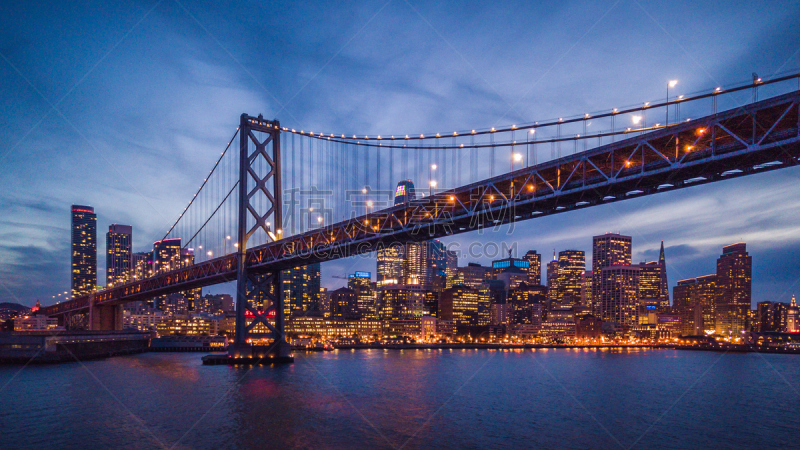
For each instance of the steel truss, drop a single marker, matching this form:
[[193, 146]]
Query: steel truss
[[751, 139]]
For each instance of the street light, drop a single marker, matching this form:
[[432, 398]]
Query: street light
[[636, 119], [671, 84], [433, 186]]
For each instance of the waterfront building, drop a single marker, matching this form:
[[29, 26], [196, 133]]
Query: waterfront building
[[402, 302], [213, 304], [84, 250], [344, 304], [571, 265], [361, 284], [119, 257], [459, 304], [619, 295], [610, 249], [772, 316], [534, 260], [695, 301], [734, 276], [301, 289], [142, 322], [183, 325], [793, 317], [588, 327]]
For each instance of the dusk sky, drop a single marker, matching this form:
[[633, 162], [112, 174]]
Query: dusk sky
[[126, 108]]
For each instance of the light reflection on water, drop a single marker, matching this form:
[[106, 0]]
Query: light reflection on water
[[413, 398]]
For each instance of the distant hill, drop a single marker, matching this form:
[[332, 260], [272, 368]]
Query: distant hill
[[14, 306]]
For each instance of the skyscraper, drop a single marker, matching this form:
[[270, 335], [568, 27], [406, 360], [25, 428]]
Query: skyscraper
[[391, 265], [653, 289], [404, 192], [619, 294], [534, 267], [84, 250], [301, 289], [571, 265], [417, 263], [119, 258], [695, 301], [734, 275], [166, 255], [552, 279], [609, 249], [361, 284]]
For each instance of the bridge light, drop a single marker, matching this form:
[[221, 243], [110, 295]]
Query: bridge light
[[319, 219], [433, 183], [533, 131], [517, 157], [491, 198], [210, 253], [364, 190], [228, 238], [701, 130], [452, 198], [369, 203], [627, 163], [433, 166], [311, 209], [673, 83], [636, 119], [530, 187]]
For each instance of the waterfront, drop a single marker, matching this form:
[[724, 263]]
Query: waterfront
[[411, 399]]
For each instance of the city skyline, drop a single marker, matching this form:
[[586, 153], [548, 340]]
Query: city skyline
[[479, 90]]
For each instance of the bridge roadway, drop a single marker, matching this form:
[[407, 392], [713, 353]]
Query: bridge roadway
[[751, 139]]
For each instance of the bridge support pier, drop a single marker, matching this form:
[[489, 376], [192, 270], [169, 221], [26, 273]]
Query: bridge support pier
[[104, 317], [260, 334]]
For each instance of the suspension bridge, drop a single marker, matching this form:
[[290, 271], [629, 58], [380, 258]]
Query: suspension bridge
[[284, 198]]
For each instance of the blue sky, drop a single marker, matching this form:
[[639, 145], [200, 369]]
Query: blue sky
[[126, 107]]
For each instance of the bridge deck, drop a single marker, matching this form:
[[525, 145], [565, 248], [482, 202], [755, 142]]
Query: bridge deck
[[752, 139]]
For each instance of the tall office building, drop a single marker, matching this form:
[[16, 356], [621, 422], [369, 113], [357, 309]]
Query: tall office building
[[608, 250], [534, 267], [653, 289], [473, 275], [344, 304], [619, 294], [391, 265], [402, 302], [695, 301], [586, 288], [119, 257], [361, 284], [459, 304], [166, 255], [734, 276], [84, 250], [552, 279], [571, 265], [301, 289], [417, 263]]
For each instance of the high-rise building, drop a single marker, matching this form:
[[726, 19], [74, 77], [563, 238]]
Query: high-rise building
[[653, 289], [552, 279], [586, 288], [523, 303], [84, 250], [695, 301], [344, 304], [404, 192], [166, 255], [619, 294], [301, 289], [119, 260], [361, 284], [459, 304], [571, 265], [417, 264], [473, 275], [534, 267], [400, 302], [610, 249], [734, 275], [510, 262], [391, 265]]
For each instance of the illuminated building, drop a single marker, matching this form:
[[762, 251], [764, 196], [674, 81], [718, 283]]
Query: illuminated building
[[653, 289], [301, 289], [473, 275], [619, 296], [166, 255], [417, 263], [524, 300], [142, 322], [512, 277], [609, 249], [734, 276], [552, 279], [119, 241], [402, 302], [182, 325], [589, 327], [404, 192], [432, 303], [142, 264], [534, 267], [361, 284], [695, 301], [214, 304], [504, 264], [492, 292], [586, 288], [391, 263], [84, 250], [344, 304], [571, 265], [459, 304], [792, 317], [772, 316]]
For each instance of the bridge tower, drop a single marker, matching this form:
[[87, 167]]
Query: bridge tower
[[259, 295]]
